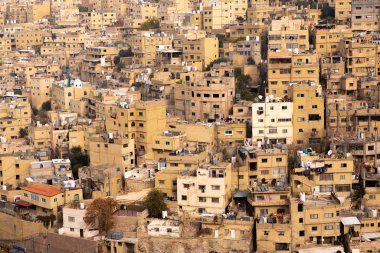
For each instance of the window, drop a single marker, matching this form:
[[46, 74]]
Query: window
[[372, 196], [343, 165], [314, 106], [278, 159], [215, 200], [302, 233], [71, 229], [202, 199], [266, 232], [71, 219], [314, 228], [326, 177], [300, 220], [34, 196], [313, 216], [300, 107], [272, 130], [228, 132], [43, 200], [184, 197], [282, 246], [342, 177], [329, 215], [161, 181], [264, 160], [325, 188], [215, 187], [342, 188], [329, 227], [281, 233], [300, 119], [300, 95]]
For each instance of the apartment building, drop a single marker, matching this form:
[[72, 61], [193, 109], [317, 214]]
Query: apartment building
[[316, 174], [206, 190], [15, 114], [112, 151], [361, 55], [138, 13], [63, 92], [231, 134], [248, 48], [315, 220], [14, 169], [107, 179], [308, 114], [73, 220], [199, 53], [272, 122], [343, 11], [327, 40], [141, 121], [223, 12], [25, 39], [40, 90], [264, 165], [98, 20], [35, 12], [204, 96], [287, 68], [98, 62], [46, 199], [273, 220], [288, 34], [365, 15], [145, 47]]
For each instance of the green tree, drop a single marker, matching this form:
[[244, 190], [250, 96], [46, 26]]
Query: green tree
[[100, 214], [126, 53], [358, 193], [250, 61], [46, 106], [150, 24], [35, 111], [155, 204], [216, 61], [23, 133], [78, 159]]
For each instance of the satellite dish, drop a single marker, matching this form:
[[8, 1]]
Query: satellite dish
[[329, 152], [260, 97]]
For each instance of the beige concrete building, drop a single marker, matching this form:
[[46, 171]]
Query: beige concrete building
[[199, 53], [204, 96], [206, 190]]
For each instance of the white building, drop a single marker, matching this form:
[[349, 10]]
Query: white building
[[73, 221], [164, 228], [206, 190], [272, 122]]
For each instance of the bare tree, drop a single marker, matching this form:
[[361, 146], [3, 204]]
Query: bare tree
[[99, 214]]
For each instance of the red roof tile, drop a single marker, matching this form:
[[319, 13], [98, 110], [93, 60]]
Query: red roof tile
[[43, 189]]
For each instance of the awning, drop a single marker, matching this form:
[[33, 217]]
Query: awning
[[350, 221], [242, 194], [22, 203], [370, 236]]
